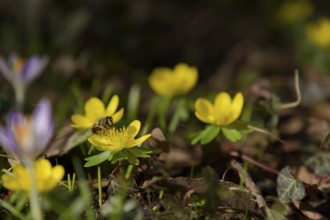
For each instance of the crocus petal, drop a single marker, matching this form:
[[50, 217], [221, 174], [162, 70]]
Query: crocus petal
[[33, 67], [4, 70], [81, 122], [15, 118], [112, 106], [94, 109], [204, 110], [134, 128], [43, 125], [118, 116], [139, 141], [8, 142], [237, 106]]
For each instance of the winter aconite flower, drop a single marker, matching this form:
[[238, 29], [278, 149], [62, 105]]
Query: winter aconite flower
[[294, 11], [95, 110], [26, 137], [223, 112], [319, 33], [20, 73], [176, 82], [47, 177], [115, 140]]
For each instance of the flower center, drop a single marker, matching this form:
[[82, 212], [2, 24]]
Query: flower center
[[17, 65], [23, 133], [118, 137]]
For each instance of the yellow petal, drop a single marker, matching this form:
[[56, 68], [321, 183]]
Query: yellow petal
[[134, 128], [161, 80], [112, 106], [204, 111], [7, 182], [222, 101], [139, 141], [99, 141], [94, 109], [58, 173], [118, 116], [43, 168], [237, 106], [186, 78], [319, 32], [81, 122]]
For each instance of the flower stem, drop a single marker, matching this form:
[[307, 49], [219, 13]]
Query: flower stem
[[33, 194], [99, 185], [20, 96], [254, 162], [164, 106]]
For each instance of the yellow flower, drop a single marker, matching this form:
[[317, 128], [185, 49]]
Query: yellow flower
[[115, 140], [95, 110], [47, 177], [223, 112], [292, 12], [167, 82], [319, 32]]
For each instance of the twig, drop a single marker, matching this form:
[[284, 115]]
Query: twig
[[297, 102], [252, 187], [265, 132], [249, 159]]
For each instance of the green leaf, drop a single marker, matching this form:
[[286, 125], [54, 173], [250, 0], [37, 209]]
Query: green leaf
[[288, 188], [125, 155], [81, 138], [119, 156], [132, 155], [210, 133], [207, 135], [232, 134], [140, 151], [133, 101], [319, 163], [181, 114], [132, 159], [97, 159], [326, 141]]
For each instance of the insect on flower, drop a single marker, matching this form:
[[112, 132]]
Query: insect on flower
[[98, 116], [102, 125]]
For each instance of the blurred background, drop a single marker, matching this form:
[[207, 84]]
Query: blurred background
[[119, 42]]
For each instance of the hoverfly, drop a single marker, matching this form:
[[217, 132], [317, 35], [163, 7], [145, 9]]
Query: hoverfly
[[102, 125]]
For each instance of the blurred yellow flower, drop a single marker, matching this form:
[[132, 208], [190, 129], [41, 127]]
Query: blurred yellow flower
[[294, 11], [95, 110], [47, 177], [223, 112], [319, 32], [115, 140], [179, 81]]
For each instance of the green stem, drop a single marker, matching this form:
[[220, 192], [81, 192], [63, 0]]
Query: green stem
[[33, 194], [19, 96], [163, 109], [99, 185], [11, 209], [180, 114], [151, 115]]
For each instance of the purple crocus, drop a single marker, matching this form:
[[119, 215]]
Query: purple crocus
[[20, 73], [26, 137]]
